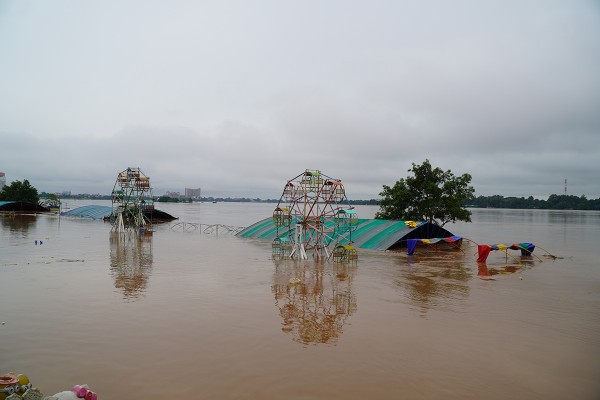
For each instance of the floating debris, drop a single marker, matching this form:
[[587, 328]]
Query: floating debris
[[17, 387]]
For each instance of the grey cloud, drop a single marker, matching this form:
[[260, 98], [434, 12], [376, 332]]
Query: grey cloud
[[238, 97]]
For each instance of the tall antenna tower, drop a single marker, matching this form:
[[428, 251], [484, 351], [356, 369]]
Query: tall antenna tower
[[565, 186]]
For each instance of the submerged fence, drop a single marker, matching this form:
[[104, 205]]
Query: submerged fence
[[206, 228]]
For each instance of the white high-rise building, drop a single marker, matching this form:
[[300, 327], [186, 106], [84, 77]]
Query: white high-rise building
[[2, 180], [192, 193]]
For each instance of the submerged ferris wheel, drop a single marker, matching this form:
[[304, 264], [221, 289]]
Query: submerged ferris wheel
[[131, 198], [313, 214]]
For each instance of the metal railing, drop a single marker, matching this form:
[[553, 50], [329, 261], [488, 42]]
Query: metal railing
[[206, 228]]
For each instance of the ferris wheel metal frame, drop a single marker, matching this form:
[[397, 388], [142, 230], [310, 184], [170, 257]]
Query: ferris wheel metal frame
[[312, 213], [131, 196]]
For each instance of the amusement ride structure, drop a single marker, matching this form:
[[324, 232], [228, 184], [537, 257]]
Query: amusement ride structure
[[312, 215], [131, 199]]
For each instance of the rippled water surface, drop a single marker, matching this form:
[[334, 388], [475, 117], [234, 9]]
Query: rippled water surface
[[185, 314]]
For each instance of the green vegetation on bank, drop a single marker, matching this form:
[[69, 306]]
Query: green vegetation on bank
[[554, 202], [167, 199], [20, 191], [372, 202]]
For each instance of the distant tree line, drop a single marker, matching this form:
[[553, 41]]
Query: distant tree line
[[168, 199], [372, 202], [83, 196], [237, 200], [554, 202]]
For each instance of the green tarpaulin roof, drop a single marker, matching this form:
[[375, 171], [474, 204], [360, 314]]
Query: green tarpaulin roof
[[375, 234], [100, 212], [94, 212]]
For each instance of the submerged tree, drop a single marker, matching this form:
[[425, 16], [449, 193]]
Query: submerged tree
[[20, 191], [431, 195]]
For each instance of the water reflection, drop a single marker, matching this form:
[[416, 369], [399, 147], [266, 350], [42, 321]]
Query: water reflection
[[130, 263], [573, 217], [18, 223], [486, 272], [314, 299], [434, 280]]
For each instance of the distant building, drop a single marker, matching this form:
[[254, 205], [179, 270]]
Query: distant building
[[174, 195], [2, 180], [192, 193]]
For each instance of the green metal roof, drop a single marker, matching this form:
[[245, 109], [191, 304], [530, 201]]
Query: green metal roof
[[100, 212], [94, 212], [375, 234]]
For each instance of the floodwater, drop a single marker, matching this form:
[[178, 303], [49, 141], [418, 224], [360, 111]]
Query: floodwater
[[193, 315]]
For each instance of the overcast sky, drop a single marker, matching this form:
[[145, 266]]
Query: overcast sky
[[237, 97]]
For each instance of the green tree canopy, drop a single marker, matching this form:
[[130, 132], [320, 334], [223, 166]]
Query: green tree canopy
[[20, 191], [430, 195]]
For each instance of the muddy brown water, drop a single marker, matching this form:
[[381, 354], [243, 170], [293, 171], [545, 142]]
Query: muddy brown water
[[205, 316]]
